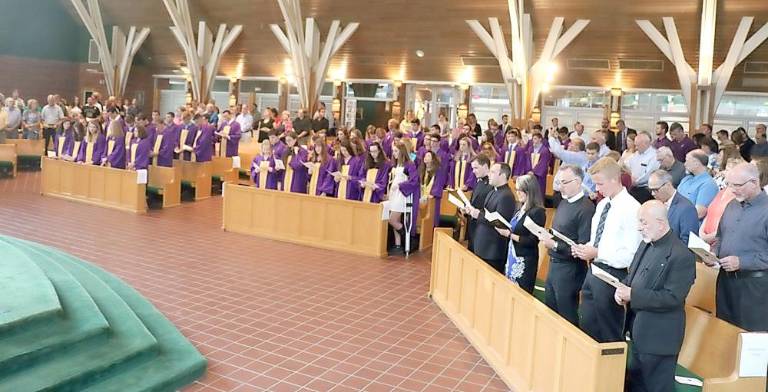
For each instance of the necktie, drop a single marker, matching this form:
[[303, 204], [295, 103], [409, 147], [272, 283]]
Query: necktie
[[601, 224]]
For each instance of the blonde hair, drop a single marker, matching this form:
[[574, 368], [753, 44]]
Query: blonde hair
[[608, 167]]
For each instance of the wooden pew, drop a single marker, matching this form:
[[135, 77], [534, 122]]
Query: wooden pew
[[166, 182], [196, 175], [426, 224], [322, 222], [29, 152], [97, 185], [246, 152], [702, 294], [711, 350], [529, 346], [541, 273], [222, 170], [8, 159]]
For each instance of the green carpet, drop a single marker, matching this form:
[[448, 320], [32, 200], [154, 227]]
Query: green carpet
[[106, 337]]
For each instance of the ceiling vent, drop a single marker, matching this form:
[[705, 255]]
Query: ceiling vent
[[640, 65], [756, 67], [754, 82], [479, 61], [589, 64]]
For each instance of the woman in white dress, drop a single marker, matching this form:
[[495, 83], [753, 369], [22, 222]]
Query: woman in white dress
[[403, 182]]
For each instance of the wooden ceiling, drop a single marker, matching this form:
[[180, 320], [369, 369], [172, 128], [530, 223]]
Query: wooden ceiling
[[391, 31]]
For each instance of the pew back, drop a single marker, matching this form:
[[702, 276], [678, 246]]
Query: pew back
[[426, 223], [702, 293], [97, 185], [529, 346], [168, 180], [322, 222], [8, 157], [29, 148], [222, 168], [197, 175]]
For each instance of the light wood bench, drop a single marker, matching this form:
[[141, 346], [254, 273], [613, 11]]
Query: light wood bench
[[165, 182], [711, 350], [529, 346], [247, 152], [702, 294], [426, 224], [322, 222], [97, 185], [223, 171], [8, 159], [29, 152], [196, 175]]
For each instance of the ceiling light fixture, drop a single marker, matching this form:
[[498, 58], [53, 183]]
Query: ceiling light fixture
[[420, 53]]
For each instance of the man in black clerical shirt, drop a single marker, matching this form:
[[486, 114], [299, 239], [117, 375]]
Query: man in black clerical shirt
[[654, 292], [489, 245], [573, 219], [480, 167]]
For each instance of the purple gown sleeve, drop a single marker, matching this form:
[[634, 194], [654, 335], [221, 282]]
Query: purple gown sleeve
[[329, 185], [382, 179], [542, 167]]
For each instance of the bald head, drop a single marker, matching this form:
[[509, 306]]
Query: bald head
[[654, 223]]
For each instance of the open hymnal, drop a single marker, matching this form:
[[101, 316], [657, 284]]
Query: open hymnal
[[279, 164], [563, 238], [455, 201], [535, 229], [702, 249], [236, 162], [605, 276], [141, 176], [497, 220]]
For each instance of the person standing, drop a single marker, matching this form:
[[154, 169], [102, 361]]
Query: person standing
[[654, 293], [614, 240], [742, 283], [671, 165], [573, 219], [661, 135], [489, 245], [480, 167], [682, 217], [699, 187], [681, 144], [12, 119]]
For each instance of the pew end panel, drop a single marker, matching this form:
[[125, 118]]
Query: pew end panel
[[247, 152], [29, 152], [167, 181], [702, 294], [197, 175], [9, 159], [222, 168], [528, 345], [321, 222], [426, 224]]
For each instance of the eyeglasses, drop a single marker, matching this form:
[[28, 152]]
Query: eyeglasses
[[654, 190], [566, 182], [732, 185]]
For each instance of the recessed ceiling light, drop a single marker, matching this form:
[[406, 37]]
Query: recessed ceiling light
[[420, 53]]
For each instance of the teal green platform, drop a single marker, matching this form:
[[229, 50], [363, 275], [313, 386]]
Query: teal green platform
[[67, 325]]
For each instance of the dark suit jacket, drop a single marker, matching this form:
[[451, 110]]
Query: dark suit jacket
[[529, 243], [477, 199], [683, 218], [610, 139], [488, 244], [657, 308], [616, 145]]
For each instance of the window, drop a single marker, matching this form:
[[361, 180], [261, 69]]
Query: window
[[259, 86], [566, 98], [671, 103], [636, 101], [382, 91]]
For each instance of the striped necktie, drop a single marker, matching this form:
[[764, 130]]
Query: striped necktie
[[601, 224]]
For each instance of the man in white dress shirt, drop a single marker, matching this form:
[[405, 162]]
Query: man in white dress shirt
[[612, 246], [641, 165]]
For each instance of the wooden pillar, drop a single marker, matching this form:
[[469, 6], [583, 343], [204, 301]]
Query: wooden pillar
[[234, 92], [338, 105], [283, 90], [398, 107]]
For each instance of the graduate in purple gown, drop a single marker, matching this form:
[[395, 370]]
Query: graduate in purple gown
[[156, 122], [96, 138], [433, 179], [202, 140], [465, 132], [278, 147], [375, 159], [115, 156], [389, 137], [404, 183], [417, 133], [232, 136], [462, 176], [496, 133], [257, 171], [513, 143], [353, 163], [64, 140], [320, 156], [539, 166], [490, 151], [294, 157], [171, 134], [139, 153], [186, 148]]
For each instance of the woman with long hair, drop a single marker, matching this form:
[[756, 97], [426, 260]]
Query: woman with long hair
[[403, 182], [348, 164], [93, 148], [429, 176], [64, 140], [373, 183], [141, 147], [296, 174], [115, 156], [263, 172], [523, 243], [320, 164], [461, 172]]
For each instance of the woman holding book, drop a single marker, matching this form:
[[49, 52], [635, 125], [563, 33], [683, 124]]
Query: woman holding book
[[525, 244], [320, 165], [374, 183], [263, 172]]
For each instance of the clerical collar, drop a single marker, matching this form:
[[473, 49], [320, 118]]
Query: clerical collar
[[483, 179], [663, 238], [575, 197]]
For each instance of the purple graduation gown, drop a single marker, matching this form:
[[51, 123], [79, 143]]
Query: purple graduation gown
[[255, 175], [171, 135], [143, 150], [192, 132], [235, 134], [278, 149], [520, 167], [117, 158], [325, 183], [99, 150], [412, 187], [353, 189], [542, 167], [419, 139], [152, 132], [382, 179], [204, 147], [300, 178], [469, 176], [454, 147], [68, 138]]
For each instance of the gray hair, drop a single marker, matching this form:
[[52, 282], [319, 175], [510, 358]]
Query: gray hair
[[574, 169], [664, 151], [662, 175]]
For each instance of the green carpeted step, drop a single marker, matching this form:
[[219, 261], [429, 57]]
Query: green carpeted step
[[81, 365], [26, 294], [178, 362], [80, 320]]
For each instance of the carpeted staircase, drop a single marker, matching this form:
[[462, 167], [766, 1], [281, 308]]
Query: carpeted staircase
[[66, 325]]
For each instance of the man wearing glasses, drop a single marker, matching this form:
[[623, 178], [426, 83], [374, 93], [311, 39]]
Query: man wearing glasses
[[680, 211], [742, 284]]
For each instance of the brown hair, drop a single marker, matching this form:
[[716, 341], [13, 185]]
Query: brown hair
[[371, 163], [323, 158], [427, 173], [403, 156]]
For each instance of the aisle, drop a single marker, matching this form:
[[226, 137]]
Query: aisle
[[267, 315]]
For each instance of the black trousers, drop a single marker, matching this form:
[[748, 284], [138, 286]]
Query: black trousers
[[601, 317], [564, 281], [641, 193], [651, 373], [742, 300], [48, 136], [528, 280], [498, 265]]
